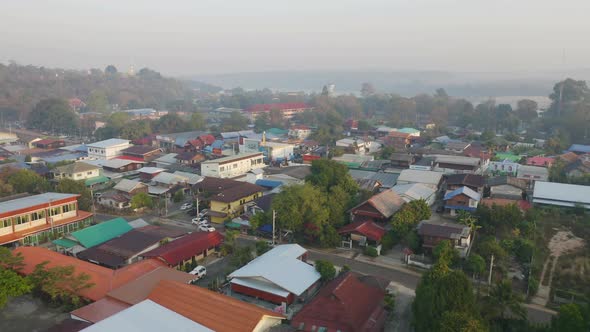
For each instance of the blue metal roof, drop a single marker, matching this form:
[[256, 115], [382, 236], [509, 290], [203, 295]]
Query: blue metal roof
[[579, 148], [268, 183], [218, 144], [463, 190], [265, 228]]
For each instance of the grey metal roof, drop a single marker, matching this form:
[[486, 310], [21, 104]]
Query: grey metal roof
[[561, 192], [415, 191], [281, 267], [427, 177], [127, 185], [25, 202]]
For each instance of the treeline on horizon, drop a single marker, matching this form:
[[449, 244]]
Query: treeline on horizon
[[565, 121]]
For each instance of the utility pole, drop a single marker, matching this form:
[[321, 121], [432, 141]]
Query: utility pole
[[165, 205], [491, 270], [274, 215], [197, 204]]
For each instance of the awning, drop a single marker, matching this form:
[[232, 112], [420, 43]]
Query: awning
[[66, 243], [96, 180], [233, 225]]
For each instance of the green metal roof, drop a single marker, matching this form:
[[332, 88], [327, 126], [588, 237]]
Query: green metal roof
[[277, 131], [66, 243], [503, 156], [95, 180], [408, 130], [232, 224], [97, 234]]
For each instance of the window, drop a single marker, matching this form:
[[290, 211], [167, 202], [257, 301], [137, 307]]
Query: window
[[5, 223], [88, 173], [235, 166], [54, 211], [19, 220], [38, 215], [222, 168]]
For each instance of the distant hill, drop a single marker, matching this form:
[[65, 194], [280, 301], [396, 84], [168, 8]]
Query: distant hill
[[406, 83], [21, 87]]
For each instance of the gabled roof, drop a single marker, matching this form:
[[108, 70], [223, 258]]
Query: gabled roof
[[128, 186], [15, 205], [281, 267], [104, 279], [146, 316], [108, 143], [150, 170], [568, 157], [100, 233], [465, 191], [522, 204], [367, 228], [426, 177], [169, 178], [218, 312], [345, 303], [175, 252], [386, 202], [506, 180], [561, 193], [540, 161], [192, 178], [77, 167], [448, 230], [471, 180], [414, 191], [190, 155], [140, 149], [237, 192], [579, 148]]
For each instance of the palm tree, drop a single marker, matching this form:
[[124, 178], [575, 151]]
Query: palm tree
[[502, 300]]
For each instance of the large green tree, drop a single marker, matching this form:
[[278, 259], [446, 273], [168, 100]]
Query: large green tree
[[69, 186], [54, 115], [570, 319], [11, 283], [25, 181]]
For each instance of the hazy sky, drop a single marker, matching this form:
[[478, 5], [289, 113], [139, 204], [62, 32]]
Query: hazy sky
[[183, 37]]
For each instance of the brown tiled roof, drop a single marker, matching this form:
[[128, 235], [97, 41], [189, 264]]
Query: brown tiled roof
[[236, 193], [569, 157], [213, 310], [190, 156], [216, 185], [386, 202], [367, 228], [346, 303], [471, 180]]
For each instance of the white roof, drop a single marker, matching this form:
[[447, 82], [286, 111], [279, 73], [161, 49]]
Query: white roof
[[169, 178], [415, 191], [230, 158], [417, 176], [457, 160], [127, 185], [108, 143], [191, 177], [147, 316], [138, 223], [536, 170], [167, 158], [280, 267], [150, 170], [25, 202], [560, 193]]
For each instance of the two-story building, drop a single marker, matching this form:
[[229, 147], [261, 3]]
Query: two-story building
[[432, 233], [107, 149], [231, 202], [76, 171], [142, 152], [35, 219], [463, 199], [300, 132], [232, 166]]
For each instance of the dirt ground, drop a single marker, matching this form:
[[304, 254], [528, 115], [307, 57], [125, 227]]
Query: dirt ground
[[26, 313]]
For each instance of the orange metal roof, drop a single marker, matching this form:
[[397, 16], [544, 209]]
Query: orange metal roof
[[213, 310], [104, 279], [99, 310]]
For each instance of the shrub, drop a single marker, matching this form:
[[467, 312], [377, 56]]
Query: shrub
[[261, 247], [371, 251], [533, 286], [326, 270]]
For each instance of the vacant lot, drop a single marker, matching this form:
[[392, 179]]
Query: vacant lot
[[26, 313]]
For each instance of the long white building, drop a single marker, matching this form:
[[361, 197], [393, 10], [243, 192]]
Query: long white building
[[107, 149], [232, 166]]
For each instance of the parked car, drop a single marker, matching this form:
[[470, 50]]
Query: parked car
[[199, 221], [199, 271], [203, 213], [186, 206], [206, 228]]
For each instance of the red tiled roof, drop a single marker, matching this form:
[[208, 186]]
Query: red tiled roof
[[207, 139], [367, 228], [346, 304], [104, 279], [218, 312], [300, 127], [176, 251], [399, 134], [540, 161], [258, 108]]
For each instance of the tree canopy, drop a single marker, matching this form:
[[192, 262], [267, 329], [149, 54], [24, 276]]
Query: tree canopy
[[55, 116]]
